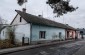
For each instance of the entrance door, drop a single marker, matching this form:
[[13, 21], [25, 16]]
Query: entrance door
[[67, 34]]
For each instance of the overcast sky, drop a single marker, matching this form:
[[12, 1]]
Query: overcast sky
[[36, 7]]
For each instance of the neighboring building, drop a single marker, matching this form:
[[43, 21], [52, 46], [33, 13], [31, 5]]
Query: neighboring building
[[39, 29], [70, 32], [81, 31], [4, 33]]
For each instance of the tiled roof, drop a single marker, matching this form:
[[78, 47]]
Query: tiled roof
[[42, 21]]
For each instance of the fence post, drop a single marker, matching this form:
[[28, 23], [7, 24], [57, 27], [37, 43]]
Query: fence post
[[28, 41], [22, 40]]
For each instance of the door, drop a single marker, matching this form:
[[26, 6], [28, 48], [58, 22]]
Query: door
[[67, 34], [60, 37]]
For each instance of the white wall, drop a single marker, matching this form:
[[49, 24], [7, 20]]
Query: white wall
[[22, 29], [50, 32], [17, 20]]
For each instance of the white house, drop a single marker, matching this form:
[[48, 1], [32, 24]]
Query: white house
[[3, 34], [37, 29]]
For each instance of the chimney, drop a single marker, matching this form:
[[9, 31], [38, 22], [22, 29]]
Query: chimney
[[40, 15], [77, 28], [24, 10], [67, 24]]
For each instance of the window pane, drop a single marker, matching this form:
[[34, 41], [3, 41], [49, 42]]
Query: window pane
[[42, 34]]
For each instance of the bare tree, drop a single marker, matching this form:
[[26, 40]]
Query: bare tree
[[11, 34], [2, 22]]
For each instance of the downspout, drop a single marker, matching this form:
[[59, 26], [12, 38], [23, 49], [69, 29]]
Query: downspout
[[30, 33], [75, 33], [65, 34]]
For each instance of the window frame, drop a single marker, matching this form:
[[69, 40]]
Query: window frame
[[20, 19], [42, 34], [60, 34]]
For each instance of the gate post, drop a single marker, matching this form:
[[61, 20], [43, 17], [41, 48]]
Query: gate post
[[28, 41], [22, 40]]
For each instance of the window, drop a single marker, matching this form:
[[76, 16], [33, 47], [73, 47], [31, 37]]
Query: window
[[81, 32], [42, 34], [20, 19], [60, 34]]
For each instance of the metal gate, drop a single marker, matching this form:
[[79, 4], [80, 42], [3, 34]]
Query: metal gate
[[25, 41]]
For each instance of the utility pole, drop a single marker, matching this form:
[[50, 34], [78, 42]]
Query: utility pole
[[25, 3]]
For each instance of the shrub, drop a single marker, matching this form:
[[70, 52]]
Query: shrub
[[5, 44]]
